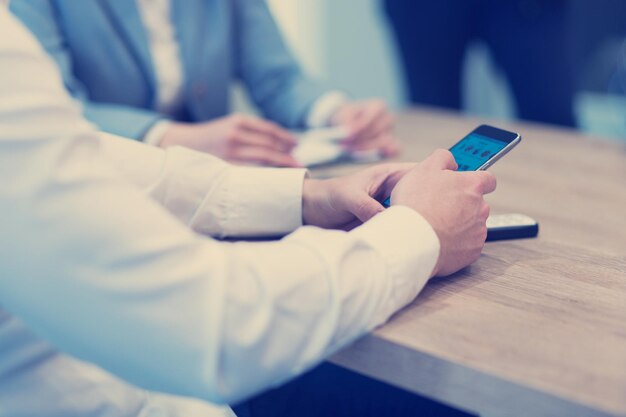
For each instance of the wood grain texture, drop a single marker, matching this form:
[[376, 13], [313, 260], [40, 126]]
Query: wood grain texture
[[546, 314]]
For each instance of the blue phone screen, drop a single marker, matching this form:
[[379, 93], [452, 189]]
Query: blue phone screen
[[474, 150]]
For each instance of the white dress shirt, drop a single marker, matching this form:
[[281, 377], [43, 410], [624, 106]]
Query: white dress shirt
[[101, 259], [156, 17]]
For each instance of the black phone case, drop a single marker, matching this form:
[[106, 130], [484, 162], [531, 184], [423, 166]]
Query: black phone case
[[512, 232]]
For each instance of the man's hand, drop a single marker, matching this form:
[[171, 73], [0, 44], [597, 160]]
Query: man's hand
[[452, 202], [346, 202], [370, 125], [236, 138]]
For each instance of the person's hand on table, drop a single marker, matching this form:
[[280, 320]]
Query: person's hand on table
[[236, 138], [346, 202], [452, 202], [370, 125]]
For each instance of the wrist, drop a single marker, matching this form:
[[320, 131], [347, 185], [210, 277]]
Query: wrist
[[336, 117], [324, 108], [173, 134], [312, 191]]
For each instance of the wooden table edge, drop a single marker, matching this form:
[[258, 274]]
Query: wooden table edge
[[454, 384]]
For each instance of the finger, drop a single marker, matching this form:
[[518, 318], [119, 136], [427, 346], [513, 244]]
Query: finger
[[354, 223], [487, 181], [484, 211], [371, 113], [390, 147], [348, 114], [395, 172], [365, 207], [483, 238], [380, 126], [260, 140], [265, 156], [282, 136], [380, 143], [441, 159]]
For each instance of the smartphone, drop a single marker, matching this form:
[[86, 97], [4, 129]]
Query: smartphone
[[483, 147], [480, 149], [511, 226]]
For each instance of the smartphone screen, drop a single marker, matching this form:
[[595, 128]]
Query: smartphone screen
[[475, 150], [480, 149]]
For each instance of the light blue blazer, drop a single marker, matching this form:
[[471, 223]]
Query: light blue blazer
[[102, 50]]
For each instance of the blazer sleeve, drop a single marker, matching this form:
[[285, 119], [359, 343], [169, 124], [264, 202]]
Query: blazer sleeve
[[42, 19], [273, 77]]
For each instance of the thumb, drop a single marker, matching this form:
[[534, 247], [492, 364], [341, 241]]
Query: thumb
[[441, 159], [365, 207]]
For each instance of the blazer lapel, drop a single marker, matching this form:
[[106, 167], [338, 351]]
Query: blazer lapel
[[125, 18]]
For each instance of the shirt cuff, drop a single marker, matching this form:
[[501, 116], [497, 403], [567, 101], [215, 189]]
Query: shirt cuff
[[410, 248], [323, 109], [257, 202], [155, 134]]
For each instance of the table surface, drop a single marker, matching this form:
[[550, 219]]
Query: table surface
[[536, 327]]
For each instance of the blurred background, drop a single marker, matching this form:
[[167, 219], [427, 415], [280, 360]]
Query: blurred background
[[393, 49]]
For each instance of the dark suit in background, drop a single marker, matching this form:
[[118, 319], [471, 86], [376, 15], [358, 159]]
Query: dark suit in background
[[530, 40]]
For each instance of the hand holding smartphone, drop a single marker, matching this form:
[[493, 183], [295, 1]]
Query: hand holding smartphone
[[480, 149]]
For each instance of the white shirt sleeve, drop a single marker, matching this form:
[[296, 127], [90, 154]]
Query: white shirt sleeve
[[109, 276], [155, 133], [324, 107], [208, 194]]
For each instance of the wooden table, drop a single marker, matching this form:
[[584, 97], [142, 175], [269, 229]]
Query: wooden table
[[536, 327]]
